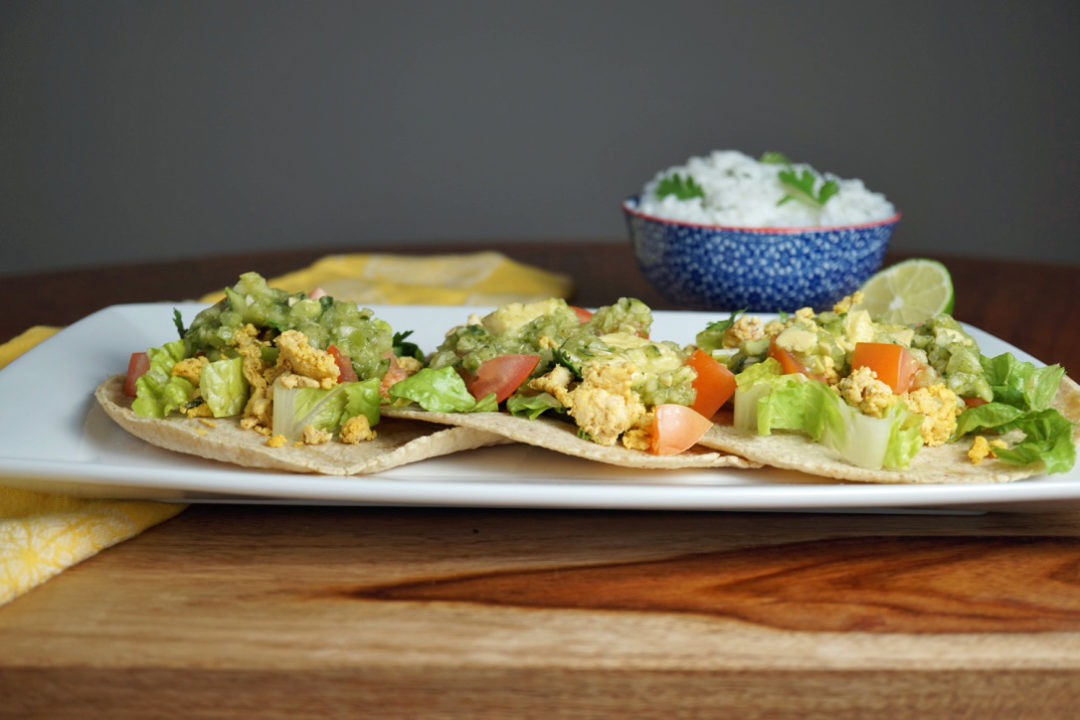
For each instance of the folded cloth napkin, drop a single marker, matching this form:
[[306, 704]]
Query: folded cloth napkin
[[42, 534], [483, 278]]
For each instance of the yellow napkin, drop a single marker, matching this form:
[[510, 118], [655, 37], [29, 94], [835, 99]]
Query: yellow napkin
[[43, 534], [484, 278]]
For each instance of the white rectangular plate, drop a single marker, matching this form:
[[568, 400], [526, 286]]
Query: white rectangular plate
[[54, 438]]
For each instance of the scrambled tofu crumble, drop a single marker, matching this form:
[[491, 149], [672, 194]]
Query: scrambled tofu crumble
[[846, 304], [939, 407], [603, 403], [745, 327], [981, 448], [316, 436], [863, 390], [190, 368], [556, 382], [298, 356], [356, 429], [298, 364]]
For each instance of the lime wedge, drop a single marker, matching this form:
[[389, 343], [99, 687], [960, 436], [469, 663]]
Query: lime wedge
[[909, 292]]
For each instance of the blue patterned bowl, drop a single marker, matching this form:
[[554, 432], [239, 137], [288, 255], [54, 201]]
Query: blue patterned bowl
[[712, 267]]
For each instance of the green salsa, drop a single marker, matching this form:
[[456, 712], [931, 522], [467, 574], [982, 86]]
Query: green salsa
[[325, 321], [552, 330], [955, 356], [514, 329]]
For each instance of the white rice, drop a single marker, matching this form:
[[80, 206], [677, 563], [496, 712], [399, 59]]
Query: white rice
[[743, 192]]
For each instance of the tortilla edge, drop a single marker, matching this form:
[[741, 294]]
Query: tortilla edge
[[826, 464], [557, 437], [227, 442]]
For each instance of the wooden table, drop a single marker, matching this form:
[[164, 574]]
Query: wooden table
[[271, 611]]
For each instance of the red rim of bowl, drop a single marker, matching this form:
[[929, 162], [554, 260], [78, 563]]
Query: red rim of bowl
[[773, 230]]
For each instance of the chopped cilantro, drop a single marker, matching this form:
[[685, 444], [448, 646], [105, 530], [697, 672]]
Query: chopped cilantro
[[712, 337], [774, 158], [563, 358], [178, 322], [684, 188], [406, 349], [801, 186]]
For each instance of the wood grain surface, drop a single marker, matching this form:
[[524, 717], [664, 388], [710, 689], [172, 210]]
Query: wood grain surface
[[391, 612], [288, 611], [902, 584]]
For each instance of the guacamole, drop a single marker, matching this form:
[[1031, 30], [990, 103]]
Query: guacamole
[[954, 355], [514, 329], [823, 343], [366, 340], [558, 334]]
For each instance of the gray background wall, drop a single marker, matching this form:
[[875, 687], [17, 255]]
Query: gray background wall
[[153, 130]]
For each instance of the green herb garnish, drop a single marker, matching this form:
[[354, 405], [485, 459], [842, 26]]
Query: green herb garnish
[[774, 158], [712, 337], [178, 322], [684, 188], [401, 348], [800, 186], [563, 358]]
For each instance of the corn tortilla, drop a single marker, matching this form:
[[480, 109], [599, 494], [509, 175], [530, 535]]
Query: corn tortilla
[[397, 442], [947, 463], [562, 437]]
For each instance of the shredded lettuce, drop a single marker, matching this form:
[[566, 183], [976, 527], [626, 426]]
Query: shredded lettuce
[[768, 370], [890, 441], [158, 391], [533, 406], [323, 409], [362, 399], [1022, 384], [440, 390], [767, 400], [985, 417], [1047, 438], [223, 387], [1023, 394]]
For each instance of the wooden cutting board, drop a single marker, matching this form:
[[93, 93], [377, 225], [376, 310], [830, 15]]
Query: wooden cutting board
[[232, 611]]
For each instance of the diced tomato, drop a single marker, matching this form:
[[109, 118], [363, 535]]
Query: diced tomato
[[893, 364], [394, 374], [788, 362], [502, 376], [583, 315], [974, 402], [138, 364], [714, 384], [676, 428], [344, 363]]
